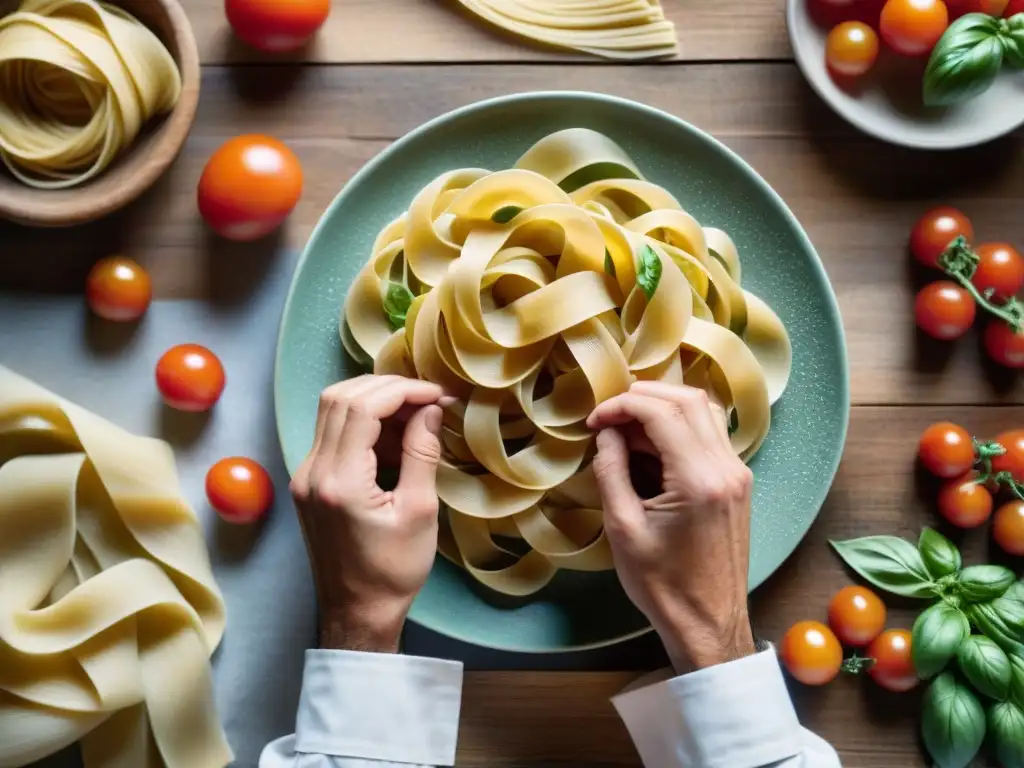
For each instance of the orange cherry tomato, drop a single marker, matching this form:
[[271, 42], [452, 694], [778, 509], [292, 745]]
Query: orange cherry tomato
[[1003, 345], [249, 186], [190, 378], [913, 27], [118, 289], [944, 310], [856, 615], [851, 48], [935, 230], [964, 502], [893, 668], [811, 653], [1000, 269], [946, 450], [1008, 527], [239, 489], [1013, 460], [276, 26]]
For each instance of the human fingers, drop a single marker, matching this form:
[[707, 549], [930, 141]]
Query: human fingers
[[363, 421], [416, 492], [338, 399], [623, 509], [695, 405], [662, 421]]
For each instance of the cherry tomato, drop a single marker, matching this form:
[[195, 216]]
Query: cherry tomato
[[1013, 8], [249, 186], [190, 378], [851, 48], [964, 502], [811, 653], [1000, 269], [118, 289], [893, 668], [1013, 460], [276, 26], [856, 615], [1003, 345], [944, 310], [946, 450], [958, 8], [913, 27], [934, 231], [1008, 528], [239, 489]]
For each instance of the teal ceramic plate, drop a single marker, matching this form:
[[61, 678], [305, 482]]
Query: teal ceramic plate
[[794, 468]]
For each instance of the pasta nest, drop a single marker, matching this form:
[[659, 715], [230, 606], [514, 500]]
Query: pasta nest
[[533, 294]]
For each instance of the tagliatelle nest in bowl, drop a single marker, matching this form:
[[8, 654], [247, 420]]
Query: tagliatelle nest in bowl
[[532, 294]]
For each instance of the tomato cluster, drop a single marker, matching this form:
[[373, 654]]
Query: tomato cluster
[[974, 474], [989, 275], [813, 652]]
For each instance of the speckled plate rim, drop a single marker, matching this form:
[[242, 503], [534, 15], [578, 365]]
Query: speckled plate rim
[[627, 104], [853, 118]]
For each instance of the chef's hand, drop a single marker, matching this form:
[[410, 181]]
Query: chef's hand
[[370, 549], [682, 555]]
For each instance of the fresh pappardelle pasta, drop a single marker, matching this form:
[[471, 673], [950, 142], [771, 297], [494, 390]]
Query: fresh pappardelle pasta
[[533, 294]]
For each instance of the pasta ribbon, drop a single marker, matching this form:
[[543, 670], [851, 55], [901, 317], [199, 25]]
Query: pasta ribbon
[[109, 611], [532, 294]]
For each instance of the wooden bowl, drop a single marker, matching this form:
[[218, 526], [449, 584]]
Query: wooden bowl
[[135, 170]]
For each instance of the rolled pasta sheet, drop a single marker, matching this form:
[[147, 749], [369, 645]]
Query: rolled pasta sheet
[[109, 611], [532, 294]]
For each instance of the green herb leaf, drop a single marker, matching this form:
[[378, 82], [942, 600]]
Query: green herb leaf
[[609, 264], [1013, 40], [965, 61], [397, 300], [985, 666], [982, 583], [649, 273], [1016, 693], [985, 617], [890, 563], [1006, 731], [506, 214], [941, 556], [937, 636], [952, 723]]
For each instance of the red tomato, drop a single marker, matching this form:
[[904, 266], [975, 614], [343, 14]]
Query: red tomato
[[190, 378], [851, 49], [944, 310], [239, 489], [1013, 460], [946, 450], [958, 8], [893, 668], [811, 653], [1008, 528], [934, 231], [118, 289], [1000, 269], [1013, 8], [276, 26], [964, 502], [1003, 345], [249, 186], [856, 615], [913, 27]]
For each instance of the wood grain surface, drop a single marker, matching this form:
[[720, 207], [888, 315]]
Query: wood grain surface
[[407, 61]]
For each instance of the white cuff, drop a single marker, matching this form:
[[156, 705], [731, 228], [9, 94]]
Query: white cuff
[[734, 715], [403, 709]]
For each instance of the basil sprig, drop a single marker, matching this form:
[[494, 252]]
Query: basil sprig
[[967, 59], [952, 722]]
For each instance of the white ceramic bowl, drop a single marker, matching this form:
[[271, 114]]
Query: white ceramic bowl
[[887, 103]]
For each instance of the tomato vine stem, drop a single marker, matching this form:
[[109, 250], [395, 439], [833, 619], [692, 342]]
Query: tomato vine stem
[[960, 262]]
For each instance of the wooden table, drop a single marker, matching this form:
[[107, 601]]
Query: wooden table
[[382, 67]]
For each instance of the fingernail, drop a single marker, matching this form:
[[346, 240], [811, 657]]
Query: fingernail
[[433, 419]]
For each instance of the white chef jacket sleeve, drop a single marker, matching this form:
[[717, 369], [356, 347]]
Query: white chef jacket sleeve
[[734, 715], [371, 710]]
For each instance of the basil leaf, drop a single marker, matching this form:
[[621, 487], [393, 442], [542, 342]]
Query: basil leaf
[[985, 666], [1010, 608], [506, 214], [649, 274], [1013, 40], [890, 563], [952, 723], [1006, 729], [937, 636], [965, 61], [1016, 692], [982, 583], [609, 264], [941, 556], [397, 300], [991, 624]]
